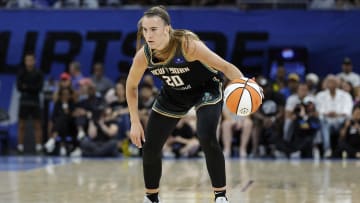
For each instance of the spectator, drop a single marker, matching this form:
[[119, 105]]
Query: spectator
[[356, 95], [102, 83], [89, 103], [146, 100], [64, 82], [347, 87], [149, 80], [29, 83], [182, 142], [304, 127], [76, 4], [347, 74], [111, 3], [76, 75], [64, 129], [312, 81], [20, 4], [3, 3], [291, 102], [121, 114], [350, 135], [101, 140], [279, 79], [334, 105], [344, 4], [268, 120], [322, 4], [231, 126], [293, 81]]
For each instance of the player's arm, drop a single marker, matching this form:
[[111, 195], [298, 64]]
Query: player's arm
[[197, 50], [136, 72], [132, 83]]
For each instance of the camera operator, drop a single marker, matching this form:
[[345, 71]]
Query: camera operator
[[304, 126], [350, 135], [102, 131]]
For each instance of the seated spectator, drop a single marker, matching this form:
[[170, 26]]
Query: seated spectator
[[350, 135], [146, 100], [63, 134], [347, 73], [122, 116], [344, 4], [291, 103], [64, 82], [312, 81], [347, 87], [356, 95], [182, 142], [291, 86], [334, 106], [89, 102], [304, 127], [322, 4], [148, 79], [268, 120], [76, 4], [279, 78], [240, 127], [102, 131]]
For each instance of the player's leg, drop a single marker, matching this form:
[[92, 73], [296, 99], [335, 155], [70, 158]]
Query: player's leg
[[158, 129], [208, 117]]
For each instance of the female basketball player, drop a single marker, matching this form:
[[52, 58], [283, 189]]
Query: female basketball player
[[190, 74]]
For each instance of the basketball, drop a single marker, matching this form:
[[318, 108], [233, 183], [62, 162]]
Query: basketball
[[243, 96]]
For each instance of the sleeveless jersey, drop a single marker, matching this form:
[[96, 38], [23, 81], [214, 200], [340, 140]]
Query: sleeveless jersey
[[185, 83]]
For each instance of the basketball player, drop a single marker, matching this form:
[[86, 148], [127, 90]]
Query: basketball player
[[190, 74]]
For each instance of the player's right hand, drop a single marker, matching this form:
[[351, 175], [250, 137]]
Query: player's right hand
[[137, 134]]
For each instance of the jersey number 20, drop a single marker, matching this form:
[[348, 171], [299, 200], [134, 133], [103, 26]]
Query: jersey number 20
[[173, 81]]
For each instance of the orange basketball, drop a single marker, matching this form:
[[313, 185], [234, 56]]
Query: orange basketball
[[243, 96]]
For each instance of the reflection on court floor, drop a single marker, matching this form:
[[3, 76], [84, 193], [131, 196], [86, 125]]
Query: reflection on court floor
[[78, 180]]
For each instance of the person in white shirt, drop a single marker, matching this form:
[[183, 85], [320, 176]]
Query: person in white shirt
[[291, 103], [334, 106]]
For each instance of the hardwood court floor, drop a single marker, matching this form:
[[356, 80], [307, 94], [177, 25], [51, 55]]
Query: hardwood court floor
[[65, 180]]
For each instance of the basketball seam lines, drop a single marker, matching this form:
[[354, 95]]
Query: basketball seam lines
[[251, 97], [232, 92], [237, 107]]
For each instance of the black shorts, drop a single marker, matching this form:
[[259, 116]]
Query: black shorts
[[29, 112], [177, 105]]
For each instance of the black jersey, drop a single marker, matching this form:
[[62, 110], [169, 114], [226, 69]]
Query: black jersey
[[185, 83], [177, 73]]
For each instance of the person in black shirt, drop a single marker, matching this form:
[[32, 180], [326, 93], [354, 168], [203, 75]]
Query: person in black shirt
[[29, 84], [268, 120], [182, 142], [190, 73], [63, 123], [102, 131], [349, 140]]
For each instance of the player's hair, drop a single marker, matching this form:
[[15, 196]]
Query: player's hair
[[176, 35]]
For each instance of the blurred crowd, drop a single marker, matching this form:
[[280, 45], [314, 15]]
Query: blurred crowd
[[241, 4], [302, 116]]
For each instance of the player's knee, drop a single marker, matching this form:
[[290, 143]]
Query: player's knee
[[209, 143]]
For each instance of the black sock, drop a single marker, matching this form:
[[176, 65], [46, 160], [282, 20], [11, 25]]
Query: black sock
[[154, 197], [220, 194]]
